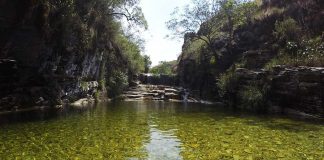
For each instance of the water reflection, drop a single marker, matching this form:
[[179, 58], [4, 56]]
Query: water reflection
[[163, 145], [156, 130]]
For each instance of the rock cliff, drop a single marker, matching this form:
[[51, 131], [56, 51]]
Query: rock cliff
[[295, 88], [275, 59], [55, 52]]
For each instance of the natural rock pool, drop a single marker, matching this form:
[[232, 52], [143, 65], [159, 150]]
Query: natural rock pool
[[157, 130]]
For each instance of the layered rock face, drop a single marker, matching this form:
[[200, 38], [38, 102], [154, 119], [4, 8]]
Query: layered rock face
[[158, 88], [300, 88], [297, 88], [157, 93], [49, 83], [41, 62]]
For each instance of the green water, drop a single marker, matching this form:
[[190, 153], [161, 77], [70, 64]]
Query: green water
[[157, 130]]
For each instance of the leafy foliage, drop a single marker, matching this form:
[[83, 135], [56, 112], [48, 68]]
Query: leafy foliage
[[199, 19], [227, 83], [245, 12], [147, 63], [253, 98], [209, 20], [312, 48], [287, 30], [308, 52], [117, 82], [252, 32], [165, 68], [208, 29], [97, 26], [133, 54], [297, 48]]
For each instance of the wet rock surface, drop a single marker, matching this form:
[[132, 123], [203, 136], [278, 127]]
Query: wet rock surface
[[157, 93]]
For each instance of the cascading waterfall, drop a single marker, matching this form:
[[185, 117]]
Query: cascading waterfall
[[185, 95]]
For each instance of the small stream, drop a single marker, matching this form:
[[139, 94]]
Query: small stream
[[157, 130]]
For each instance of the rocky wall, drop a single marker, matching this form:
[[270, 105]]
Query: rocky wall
[[297, 88], [300, 88], [39, 67]]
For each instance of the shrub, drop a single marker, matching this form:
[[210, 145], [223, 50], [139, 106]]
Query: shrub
[[292, 48], [287, 30], [227, 83], [84, 85], [117, 83], [166, 68], [253, 98], [308, 53], [312, 48]]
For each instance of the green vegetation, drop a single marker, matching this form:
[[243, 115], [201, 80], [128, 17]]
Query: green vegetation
[[95, 26], [165, 68], [84, 85], [209, 20], [117, 83], [97, 96], [147, 63], [227, 83], [223, 35], [299, 50], [208, 28], [287, 30], [253, 98], [132, 52], [86, 20]]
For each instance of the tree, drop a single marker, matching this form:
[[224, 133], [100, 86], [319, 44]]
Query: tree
[[104, 13], [128, 9], [204, 20], [147, 63], [227, 9], [200, 15], [133, 19], [102, 25], [166, 68], [246, 10], [132, 53], [208, 20]]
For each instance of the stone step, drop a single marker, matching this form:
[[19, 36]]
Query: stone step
[[172, 90], [134, 96], [155, 93]]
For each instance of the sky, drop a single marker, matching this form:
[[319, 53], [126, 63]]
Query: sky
[[157, 12]]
